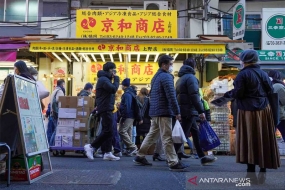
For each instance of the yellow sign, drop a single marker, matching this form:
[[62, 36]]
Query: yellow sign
[[126, 24], [128, 48], [141, 73]]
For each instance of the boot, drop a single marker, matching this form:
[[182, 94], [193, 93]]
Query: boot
[[262, 176], [183, 155], [252, 176], [156, 156]]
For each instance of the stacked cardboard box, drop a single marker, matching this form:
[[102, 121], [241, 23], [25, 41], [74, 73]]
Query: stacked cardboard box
[[73, 121]]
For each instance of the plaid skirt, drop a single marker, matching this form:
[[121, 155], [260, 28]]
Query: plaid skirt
[[255, 139]]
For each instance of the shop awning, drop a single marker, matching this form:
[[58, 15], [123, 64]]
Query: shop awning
[[263, 64]]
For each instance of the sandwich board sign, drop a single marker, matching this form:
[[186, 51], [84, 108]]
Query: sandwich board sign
[[239, 20], [21, 121], [273, 29]]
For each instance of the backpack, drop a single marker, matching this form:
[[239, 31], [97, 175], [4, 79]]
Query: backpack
[[137, 110], [54, 106]]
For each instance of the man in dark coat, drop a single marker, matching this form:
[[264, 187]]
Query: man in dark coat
[[191, 106], [87, 90], [105, 100], [163, 106]]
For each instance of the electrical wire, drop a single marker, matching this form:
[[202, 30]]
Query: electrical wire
[[4, 22]]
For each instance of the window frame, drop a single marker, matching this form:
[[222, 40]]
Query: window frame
[[26, 16]]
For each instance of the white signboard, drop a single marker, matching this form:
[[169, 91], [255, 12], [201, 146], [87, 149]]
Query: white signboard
[[239, 20], [273, 29]]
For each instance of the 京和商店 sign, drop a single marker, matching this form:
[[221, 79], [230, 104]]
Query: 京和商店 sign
[[126, 24]]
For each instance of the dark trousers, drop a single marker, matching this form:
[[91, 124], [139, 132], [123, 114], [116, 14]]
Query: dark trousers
[[116, 136], [281, 128], [189, 124], [104, 140]]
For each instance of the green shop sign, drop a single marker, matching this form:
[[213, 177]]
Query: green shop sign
[[264, 55]]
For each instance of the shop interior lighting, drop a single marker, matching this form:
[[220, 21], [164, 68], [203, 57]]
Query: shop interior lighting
[[69, 79], [156, 57], [51, 75], [102, 57], [167, 53], [120, 57], [111, 57], [66, 56], [84, 57], [75, 57], [147, 57], [129, 58], [138, 57], [57, 57], [93, 57], [175, 56]]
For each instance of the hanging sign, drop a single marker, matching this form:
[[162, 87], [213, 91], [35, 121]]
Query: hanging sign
[[239, 20]]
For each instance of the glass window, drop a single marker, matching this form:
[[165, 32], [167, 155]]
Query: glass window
[[33, 10], [228, 25], [15, 10], [2, 4], [253, 21]]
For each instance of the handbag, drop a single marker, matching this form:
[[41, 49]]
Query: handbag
[[42, 91], [273, 99], [178, 135], [208, 138]]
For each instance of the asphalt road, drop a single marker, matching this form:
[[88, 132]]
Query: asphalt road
[[124, 175]]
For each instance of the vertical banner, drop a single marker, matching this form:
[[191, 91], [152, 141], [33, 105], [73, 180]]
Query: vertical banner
[[273, 29], [239, 20]]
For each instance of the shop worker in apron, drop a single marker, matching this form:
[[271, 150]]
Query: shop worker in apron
[[191, 106], [105, 101]]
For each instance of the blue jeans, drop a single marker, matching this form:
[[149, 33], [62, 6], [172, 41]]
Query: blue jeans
[[189, 142], [51, 130], [134, 134]]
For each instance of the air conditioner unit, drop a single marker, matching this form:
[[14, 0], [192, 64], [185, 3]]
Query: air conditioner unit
[[155, 5]]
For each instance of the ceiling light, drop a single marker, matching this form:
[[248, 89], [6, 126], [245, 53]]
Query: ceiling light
[[138, 58], [85, 57], [129, 57], [120, 57], [111, 57], [156, 57], [93, 57], [57, 57], [102, 57], [75, 57], [175, 56], [147, 57], [66, 56]]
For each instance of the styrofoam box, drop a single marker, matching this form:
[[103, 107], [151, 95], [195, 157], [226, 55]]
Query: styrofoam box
[[57, 143], [58, 138], [66, 122], [67, 141], [64, 131], [67, 113], [282, 152], [281, 145]]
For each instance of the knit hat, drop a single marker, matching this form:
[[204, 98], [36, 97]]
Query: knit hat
[[109, 65], [249, 56], [88, 86], [33, 71], [126, 82]]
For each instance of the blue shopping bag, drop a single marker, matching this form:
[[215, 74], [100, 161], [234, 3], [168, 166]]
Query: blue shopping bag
[[208, 138]]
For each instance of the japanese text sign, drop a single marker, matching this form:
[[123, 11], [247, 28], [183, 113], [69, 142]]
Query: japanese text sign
[[264, 55], [126, 24], [239, 20], [141, 73], [273, 29]]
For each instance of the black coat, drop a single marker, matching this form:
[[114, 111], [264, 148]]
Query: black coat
[[250, 95], [187, 90], [105, 91], [145, 126]]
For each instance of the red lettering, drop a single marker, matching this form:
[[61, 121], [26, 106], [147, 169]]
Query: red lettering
[[279, 20], [148, 70], [119, 48], [111, 48], [239, 19], [121, 69], [124, 25], [107, 25], [136, 48], [128, 47], [158, 26], [142, 25], [101, 47], [136, 69]]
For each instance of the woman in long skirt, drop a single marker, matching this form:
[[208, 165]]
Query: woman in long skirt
[[255, 132]]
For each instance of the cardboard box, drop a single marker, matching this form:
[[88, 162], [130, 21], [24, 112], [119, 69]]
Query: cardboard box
[[85, 101], [81, 124], [67, 113], [63, 130], [66, 122], [18, 169], [76, 143], [67, 140], [57, 143], [67, 102], [80, 139], [83, 112]]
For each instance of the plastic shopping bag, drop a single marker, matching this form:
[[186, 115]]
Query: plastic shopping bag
[[178, 135], [208, 138]]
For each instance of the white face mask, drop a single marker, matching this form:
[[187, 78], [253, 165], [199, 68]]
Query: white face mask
[[35, 77], [170, 70], [241, 65]]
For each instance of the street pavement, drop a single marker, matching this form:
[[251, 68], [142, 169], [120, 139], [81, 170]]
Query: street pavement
[[125, 175]]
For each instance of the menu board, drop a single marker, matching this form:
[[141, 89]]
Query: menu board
[[30, 114]]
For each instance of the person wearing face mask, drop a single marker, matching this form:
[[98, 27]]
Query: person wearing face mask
[[104, 103], [87, 90]]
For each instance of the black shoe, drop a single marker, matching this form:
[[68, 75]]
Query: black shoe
[[178, 167], [141, 161], [252, 177], [183, 155], [208, 159], [261, 177], [156, 156]]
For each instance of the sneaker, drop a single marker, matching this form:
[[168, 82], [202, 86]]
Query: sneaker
[[132, 151], [118, 154], [109, 156], [208, 159], [89, 151], [178, 167], [97, 155], [141, 161], [125, 152]]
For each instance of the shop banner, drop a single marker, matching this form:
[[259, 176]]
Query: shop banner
[[239, 20], [264, 55], [128, 48], [8, 56], [273, 29], [126, 24]]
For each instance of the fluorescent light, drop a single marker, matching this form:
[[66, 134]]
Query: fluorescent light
[[129, 57], [66, 56], [85, 58], [167, 53], [75, 57], [156, 57], [57, 57], [120, 57], [102, 57], [103, 53], [111, 57], [93, 57], [138, 58], [175, 56], [147, 57]]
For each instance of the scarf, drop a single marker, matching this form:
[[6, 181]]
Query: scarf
[[63, 89]]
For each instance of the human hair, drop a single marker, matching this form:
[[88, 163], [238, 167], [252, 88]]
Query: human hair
[[109, 65], [190, 62], [274, 74], [143, 93], [23, 69], [165, 59], [60, 82]]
